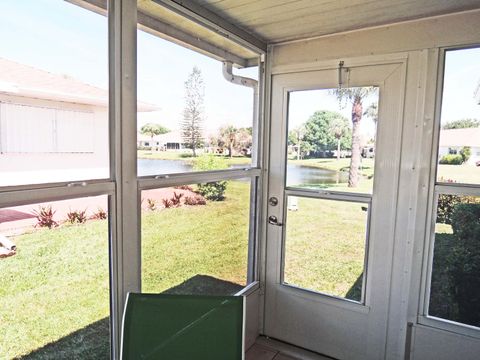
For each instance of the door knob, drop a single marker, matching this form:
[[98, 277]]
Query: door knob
[[274, 221]]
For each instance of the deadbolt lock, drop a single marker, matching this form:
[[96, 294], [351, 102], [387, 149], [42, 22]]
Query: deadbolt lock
[[273, 201]]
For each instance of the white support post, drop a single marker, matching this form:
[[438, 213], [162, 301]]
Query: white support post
[[123, 114]]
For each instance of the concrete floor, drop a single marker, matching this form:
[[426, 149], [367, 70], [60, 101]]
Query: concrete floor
[[268, 349]]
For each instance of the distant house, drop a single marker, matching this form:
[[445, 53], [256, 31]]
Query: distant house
[[453, 140], [51, 126], [164, 142]]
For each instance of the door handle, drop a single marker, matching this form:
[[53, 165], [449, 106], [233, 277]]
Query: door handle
[[272, 220]]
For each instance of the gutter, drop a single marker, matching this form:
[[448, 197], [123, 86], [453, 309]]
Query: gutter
[[243, 81]]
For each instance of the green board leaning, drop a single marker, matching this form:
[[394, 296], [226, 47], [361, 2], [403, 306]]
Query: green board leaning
[[183, 327]]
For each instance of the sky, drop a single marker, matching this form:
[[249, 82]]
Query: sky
[[303, 104], [63, 38], [461, 78]]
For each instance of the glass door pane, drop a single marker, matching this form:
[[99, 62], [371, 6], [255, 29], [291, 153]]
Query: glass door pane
[[325, 246], [331, 139]]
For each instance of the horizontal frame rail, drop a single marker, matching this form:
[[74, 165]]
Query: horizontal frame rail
[[26, 197], [151, 182], [456, 189], [329, 195]]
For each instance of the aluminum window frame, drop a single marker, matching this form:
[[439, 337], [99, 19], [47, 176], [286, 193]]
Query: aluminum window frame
[[255, 171], [435, 189], [254, 212], [123, 186], [17, 195]]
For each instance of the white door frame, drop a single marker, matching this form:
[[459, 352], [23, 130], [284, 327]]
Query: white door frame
[[366, 334]]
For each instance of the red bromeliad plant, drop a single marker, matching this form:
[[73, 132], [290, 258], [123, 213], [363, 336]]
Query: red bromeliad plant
[[44, 216], [77, 216], [176, 199], [100, 214]]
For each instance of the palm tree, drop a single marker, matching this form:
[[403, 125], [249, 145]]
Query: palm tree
[[338, 128], [228, 136], [372, 113], [356, 97], [295, 138], [153, 129]]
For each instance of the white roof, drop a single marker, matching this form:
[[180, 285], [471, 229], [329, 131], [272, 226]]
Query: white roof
[[26, 81], [460, 137]]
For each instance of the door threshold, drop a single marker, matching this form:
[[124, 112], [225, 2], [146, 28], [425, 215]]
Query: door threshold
[[269, 349]]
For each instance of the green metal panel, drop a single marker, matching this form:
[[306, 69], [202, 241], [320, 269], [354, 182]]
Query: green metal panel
[[183, 327]]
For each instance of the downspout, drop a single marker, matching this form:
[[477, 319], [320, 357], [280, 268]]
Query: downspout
[[252, 83], [243, 81]]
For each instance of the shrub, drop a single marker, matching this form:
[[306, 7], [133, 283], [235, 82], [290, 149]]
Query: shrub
[[195, 200], [44, 216], [465, 153], [446, 206], [207, 162], [100, 214], [451, 159], [176, 200], [167, 203], [183, 187], [76, 216], [214, 191], [151, 204], [465, 262], [446, 180]]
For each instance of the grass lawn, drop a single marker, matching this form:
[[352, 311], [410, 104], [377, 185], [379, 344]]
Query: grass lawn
[[55, 290], [187, 157], [210, 240], [467, 174], [55, 285], [325, 247]]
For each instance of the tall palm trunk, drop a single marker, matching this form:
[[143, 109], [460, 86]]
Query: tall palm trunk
[[357, 111], [231, 144], [338, 149], [194, 145]]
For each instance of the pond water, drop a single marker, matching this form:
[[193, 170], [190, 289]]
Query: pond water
[[148, 167], [303, 175], [296, 174]]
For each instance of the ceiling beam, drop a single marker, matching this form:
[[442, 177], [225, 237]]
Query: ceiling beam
[[168, 32], [214, 22]]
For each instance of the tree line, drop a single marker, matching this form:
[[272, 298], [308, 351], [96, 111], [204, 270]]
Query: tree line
[[324, 131]]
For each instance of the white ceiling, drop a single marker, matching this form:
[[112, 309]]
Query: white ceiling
[[281, 20]]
